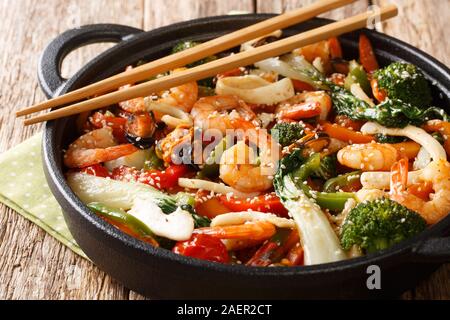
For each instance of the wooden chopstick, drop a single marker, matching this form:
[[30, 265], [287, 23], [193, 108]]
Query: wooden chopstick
[[212, 68], [181, 59]]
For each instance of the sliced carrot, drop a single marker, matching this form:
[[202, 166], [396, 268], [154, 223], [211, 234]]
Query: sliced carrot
[[302, 111], [211, 208], [366, 54], [409, 149], [335, 47], [230, 73], [345, 134], [345, 121]]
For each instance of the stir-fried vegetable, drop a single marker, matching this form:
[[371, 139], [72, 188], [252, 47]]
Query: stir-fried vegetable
[[287, 133], [345, 182], [390, 113], [275, 248], [379, 224], [405, 82], [357, 74], [319, 240], [203, 247], [299, 169]]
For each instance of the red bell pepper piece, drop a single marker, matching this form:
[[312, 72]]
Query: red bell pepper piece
[[295, 256], [96, 170], [165, 179], [275, 249], [264, 203], [302, 86], [202, 246]]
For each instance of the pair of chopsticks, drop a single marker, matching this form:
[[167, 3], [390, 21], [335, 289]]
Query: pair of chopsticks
[[201, 51]]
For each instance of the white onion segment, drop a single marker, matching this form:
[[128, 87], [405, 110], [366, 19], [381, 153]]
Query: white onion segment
[[172, 117], [237, 218], [358, 92], [256, 90], [212, 186]]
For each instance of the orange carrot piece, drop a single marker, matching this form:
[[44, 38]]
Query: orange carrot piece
[[345, 134], [366, 54], [335, 47]]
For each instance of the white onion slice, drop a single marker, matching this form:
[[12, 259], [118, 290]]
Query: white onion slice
[[286, 68], [254, 89], [172, 115], [236, 218], [212, 186], [356, 90]]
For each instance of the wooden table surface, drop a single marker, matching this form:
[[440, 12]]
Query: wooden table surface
[[33, 265]]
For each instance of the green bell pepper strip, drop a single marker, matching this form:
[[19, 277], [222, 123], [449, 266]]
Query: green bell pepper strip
[[152, 162], [334, 184], [357, 74], [211, 167], [331, 201], [120, 216]]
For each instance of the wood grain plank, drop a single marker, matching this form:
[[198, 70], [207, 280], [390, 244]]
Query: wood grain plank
[[162, 12], [33, 265], [264, 6], [424, 24]]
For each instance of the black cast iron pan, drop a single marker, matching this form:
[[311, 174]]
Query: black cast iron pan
[[159, 273]]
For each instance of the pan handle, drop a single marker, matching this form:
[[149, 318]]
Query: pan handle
[[433, 250], [49, 69]]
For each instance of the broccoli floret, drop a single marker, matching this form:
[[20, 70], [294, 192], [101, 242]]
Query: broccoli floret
[[184, 45], [287, 133], [405, 82], [379, 224], [327, 168]]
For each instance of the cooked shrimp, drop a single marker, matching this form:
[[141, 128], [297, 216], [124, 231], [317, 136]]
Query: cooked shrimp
[[305, 105], [240, 168], [258, 230], [212, 113], [371, 156], [438, 173], [133, 105], [183, 97], [95, 147], [170, 145]]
